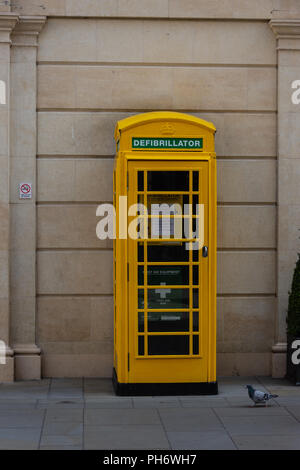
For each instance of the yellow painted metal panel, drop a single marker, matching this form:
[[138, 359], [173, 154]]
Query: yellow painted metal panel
[[165, 142]]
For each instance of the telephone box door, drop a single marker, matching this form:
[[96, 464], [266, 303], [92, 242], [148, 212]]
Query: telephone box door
[[168, 269]]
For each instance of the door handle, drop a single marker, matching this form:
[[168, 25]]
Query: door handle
[[205, 252]]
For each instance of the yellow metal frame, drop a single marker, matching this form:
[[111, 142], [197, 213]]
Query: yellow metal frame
[[130, 367]]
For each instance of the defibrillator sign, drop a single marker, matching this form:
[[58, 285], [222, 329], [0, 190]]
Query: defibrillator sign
[[167, 143]]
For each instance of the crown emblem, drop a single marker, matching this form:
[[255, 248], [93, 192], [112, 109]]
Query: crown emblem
[[167, 129]]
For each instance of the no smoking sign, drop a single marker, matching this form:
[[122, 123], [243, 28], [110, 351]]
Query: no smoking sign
[[25, 190]]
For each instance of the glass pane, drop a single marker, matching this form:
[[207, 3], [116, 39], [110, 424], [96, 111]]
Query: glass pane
[[163, 208], [195, 202], [195, 181], [141, 298], [164, 275], [195, 255], [168, 298], [165, 227], [165, 253], [195, 321], [140, 275], [141, 322], [141, 208], [168, 321], [140, 181], [141, 348], [186, 202], [168, 180], [195, 344], [195, 275], [195, 298], [141, 252], [168, 345]]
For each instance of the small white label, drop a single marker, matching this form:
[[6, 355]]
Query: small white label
[[2, 92], [25, 190]]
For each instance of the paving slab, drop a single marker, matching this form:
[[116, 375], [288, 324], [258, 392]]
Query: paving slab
[[208, 440], [286, 442], [65, 394], [61, 440], [283, 392], [189, 419], [67, 382], [23, 385], [125, 437], [277, 383], [25, 390], [73, 415], [203, 402], [246, 401], [294, 410], [24, 395], [121, 417], [100, 387], [156, 402], [250, 410], [15, 405], [261, 425], [288, 401], [62, 429], [60, 404], [238, 390], [21, 418], [19, 439], [56, 447], [107, 402]]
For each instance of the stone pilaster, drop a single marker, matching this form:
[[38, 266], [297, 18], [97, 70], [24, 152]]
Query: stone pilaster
[[23, 211], [287, 32], [7, 23]]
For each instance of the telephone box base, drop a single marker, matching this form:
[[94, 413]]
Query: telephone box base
[[151, 389]]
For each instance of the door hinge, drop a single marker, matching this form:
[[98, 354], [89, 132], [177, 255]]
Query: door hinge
[[128, 363]]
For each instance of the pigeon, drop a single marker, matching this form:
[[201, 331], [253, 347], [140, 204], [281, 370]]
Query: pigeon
[[259, 397]]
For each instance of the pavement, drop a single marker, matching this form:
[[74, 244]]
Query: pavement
[[85, 414]]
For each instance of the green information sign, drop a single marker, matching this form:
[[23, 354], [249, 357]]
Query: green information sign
[[163, 296], [167, 143], [164, 275]]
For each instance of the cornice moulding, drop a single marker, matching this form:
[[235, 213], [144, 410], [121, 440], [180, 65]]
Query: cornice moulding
[[27, 30], [285, 28], [8, 21], [30, 24]]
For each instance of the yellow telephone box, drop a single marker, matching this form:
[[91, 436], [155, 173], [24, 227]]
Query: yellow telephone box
[[165, 256]]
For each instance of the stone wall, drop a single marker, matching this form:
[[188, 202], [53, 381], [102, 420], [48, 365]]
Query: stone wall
[[98, 62], [88, 78]]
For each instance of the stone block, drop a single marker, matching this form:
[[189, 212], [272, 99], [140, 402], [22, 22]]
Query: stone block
[[74, 272], [176, 88], [246, 181], [75, 180], [67, 133], [69, 226], [246, 226], [27, 367], [159, 41], [246, 272], [7, 370]]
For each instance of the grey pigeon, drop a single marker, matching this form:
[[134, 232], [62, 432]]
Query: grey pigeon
[[259, 397]]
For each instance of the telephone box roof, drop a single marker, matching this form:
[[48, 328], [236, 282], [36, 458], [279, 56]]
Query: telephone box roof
[[144, 118]]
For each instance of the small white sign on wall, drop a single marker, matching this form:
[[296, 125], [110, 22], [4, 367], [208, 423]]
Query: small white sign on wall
[[25, 190], [2, 92]]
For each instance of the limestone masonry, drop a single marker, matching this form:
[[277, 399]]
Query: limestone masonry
[[69, 70]]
